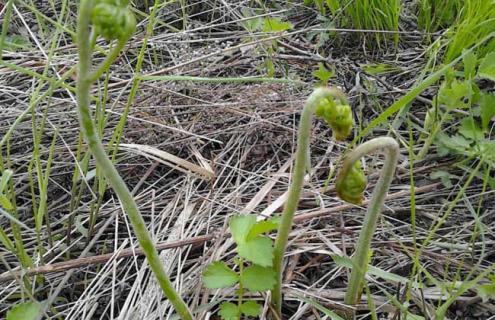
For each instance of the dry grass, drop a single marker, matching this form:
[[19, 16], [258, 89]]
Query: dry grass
[[245, 134]]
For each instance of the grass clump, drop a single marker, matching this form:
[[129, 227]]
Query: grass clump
[[373, 15], [476, 21], [434, 15]]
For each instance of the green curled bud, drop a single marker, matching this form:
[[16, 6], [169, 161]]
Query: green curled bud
[[350, 184], [341, 121], [338, 116], [113, 20]]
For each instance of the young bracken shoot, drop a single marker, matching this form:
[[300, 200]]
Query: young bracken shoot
[[350, 185], [113, 20], [331, 105]]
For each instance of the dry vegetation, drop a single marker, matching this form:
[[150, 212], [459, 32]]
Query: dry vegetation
[[235, 140]]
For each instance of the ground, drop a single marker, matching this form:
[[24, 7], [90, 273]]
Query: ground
[[236, 141]]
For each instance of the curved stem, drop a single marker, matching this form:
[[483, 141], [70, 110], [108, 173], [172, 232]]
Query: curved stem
[[109, 59], [361, 257], [107, 167], [296, 185]]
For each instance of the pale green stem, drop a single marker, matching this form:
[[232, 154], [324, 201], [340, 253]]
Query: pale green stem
[[296, 185], [107, 167], [361, 257], [109, 59]]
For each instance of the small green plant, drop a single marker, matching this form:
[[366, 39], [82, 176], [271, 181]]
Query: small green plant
[[268, 25], [114, 21], [253, 266], [467, 110]]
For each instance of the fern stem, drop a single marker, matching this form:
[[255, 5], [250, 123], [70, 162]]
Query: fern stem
[[361, 257], [302, 160], [106, 166]]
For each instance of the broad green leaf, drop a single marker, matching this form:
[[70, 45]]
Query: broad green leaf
[[275, 25], [5, 203], [323, 74], [470, 129], [219, 275], [229, 311], [486, 291], [455, 143], [257, 278], [457, 95], [254, 23], [262, 227], [251, 308], [240, 226], [258, 250], [487, 67], [487, 105], [24, 311]]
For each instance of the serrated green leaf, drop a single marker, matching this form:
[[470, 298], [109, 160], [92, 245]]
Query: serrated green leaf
[[258, 250], [275, 25], [240, 226], [24, 311], [487, 106], [487, 67], [251, 308], [229, 311], [254, 23], [470, 129], [486, 291], [262, 227], [444, 176], [455, 143], [219, 275], [258, 278], [455, 95], [323, 74]]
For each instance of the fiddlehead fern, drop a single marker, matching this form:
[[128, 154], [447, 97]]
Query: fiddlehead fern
[[330, 104], [113, 20], [347, 181], [119, 26]]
